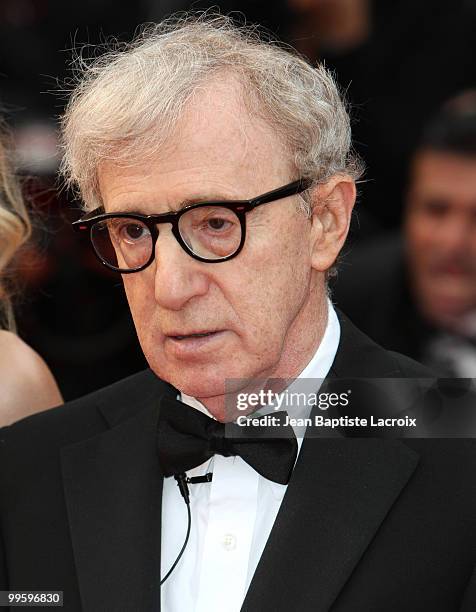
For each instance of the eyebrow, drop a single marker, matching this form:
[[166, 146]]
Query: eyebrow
[[208, 198], [198, 199]]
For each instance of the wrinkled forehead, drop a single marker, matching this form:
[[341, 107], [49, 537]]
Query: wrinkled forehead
[[218, 146]]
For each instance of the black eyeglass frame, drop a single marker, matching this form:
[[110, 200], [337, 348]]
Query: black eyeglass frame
[[239, 207]]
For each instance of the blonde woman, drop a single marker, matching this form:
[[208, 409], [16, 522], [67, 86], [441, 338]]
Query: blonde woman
[[26, 383]]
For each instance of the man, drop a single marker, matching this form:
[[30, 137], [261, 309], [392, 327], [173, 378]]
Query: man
[[418, 295], [182, 140]]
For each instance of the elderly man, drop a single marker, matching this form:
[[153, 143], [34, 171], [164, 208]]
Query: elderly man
[[218, 180]]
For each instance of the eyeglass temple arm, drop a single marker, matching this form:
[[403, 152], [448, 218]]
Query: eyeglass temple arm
[[282, 192], [77, 225]]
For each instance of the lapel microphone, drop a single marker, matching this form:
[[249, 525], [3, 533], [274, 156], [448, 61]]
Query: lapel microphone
[[182, 482]]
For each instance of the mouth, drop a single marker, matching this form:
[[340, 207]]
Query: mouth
[[194, 345], [452, 269], [194, 335]]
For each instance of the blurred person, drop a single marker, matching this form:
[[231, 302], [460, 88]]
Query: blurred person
[[218, 178], [380, 52], [417, 295], [26, 383]]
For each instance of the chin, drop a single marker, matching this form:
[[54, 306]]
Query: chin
[[209, 378], [197, 384], [201, 389]]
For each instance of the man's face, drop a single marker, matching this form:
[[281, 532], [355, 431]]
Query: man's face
[[441, 236], [263, 307]]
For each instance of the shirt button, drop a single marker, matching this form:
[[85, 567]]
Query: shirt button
[[229, 542]]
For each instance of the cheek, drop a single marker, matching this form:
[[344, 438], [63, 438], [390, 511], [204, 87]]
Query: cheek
[[140, 297], [421, 239], [277, 285]]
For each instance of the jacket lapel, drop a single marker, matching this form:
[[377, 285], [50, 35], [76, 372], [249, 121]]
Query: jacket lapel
[[340, 492], [113, 491]]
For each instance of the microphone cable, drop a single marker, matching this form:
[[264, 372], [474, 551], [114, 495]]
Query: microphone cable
[[182, 482]]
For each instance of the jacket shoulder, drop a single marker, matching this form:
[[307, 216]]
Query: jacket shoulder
[[78, 419], [358, 356], [410, 368]]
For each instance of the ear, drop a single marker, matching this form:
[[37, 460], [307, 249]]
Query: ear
[[332, 204]]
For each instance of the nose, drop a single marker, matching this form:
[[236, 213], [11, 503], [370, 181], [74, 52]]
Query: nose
[[457, 235], [178, 277]]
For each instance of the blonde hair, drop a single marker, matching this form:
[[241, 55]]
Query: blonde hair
[[15, 227], [126, 102]]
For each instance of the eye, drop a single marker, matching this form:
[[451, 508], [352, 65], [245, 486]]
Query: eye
[[132, 231], [436, 208], [218, 223], [207, 223], [215, 220]]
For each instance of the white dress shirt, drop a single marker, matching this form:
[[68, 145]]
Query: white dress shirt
[[232, 517]]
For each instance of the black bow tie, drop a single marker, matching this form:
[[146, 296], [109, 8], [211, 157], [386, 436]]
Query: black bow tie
[[186, 438]]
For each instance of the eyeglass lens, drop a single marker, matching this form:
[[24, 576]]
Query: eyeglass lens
[[211, 232]]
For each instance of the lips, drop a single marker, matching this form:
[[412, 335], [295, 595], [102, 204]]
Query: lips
[[194, 335], [452, 268], [196, 345]]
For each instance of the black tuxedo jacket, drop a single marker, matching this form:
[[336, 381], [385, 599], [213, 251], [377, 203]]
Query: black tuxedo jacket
[[366, 525]]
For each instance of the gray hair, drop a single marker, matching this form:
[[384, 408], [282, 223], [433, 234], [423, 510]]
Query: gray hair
[[127, 102]]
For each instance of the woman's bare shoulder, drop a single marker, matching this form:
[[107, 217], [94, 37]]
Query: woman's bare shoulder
[[26, 383]]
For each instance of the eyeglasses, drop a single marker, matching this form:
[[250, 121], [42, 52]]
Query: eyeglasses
[[209, 231]]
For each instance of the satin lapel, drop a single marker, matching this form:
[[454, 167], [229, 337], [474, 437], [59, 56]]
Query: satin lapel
[[113, 492], [339, 494]]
